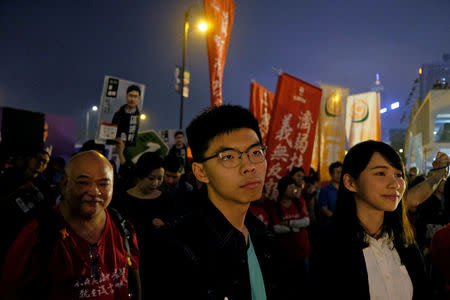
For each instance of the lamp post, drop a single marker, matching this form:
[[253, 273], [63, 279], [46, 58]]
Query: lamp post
[[203, 27], [93, 108]]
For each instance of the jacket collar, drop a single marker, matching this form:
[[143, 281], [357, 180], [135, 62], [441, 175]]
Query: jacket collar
[[221, 227]]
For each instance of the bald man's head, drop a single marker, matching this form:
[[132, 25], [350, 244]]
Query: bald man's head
[[89, 186], [84, 156]]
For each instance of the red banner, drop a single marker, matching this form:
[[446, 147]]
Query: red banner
[[291, 134], [261, 104], [219, 14]]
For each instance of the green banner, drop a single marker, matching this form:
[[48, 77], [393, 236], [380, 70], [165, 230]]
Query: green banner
[[148, 141]]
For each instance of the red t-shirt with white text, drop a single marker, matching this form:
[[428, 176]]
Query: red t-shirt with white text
[[76, 269], [295, 245]]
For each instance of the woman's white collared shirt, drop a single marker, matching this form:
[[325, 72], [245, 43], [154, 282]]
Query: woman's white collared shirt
[[388, 278]]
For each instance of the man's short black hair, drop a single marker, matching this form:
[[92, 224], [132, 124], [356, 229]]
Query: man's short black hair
[[134, 88], [333, 166], [178, 132], [215, 121], [173, 164]]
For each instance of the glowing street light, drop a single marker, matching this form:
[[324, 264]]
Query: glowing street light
[[143, 116], [383, 110], [202, 26], [395, 105]]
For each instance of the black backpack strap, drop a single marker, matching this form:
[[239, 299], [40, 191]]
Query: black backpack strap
[[125, 232]]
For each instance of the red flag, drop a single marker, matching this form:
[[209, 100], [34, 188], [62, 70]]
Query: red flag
[[261, 104], [219, 14], [292, 129]]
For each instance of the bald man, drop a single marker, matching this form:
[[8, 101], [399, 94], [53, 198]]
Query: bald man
[[77, 251]]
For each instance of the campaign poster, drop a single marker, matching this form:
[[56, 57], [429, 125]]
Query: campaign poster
[[120, 109]]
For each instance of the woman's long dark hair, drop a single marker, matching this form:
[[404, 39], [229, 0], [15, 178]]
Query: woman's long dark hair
[[395, 223]]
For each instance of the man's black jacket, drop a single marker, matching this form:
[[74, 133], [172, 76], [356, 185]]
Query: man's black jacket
[[202, 256]]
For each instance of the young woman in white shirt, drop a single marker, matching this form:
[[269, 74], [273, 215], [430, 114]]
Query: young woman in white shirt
[[369, 251]]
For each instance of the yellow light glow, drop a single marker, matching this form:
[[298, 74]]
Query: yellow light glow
[[420, 71], [143, 116], [202, 26]]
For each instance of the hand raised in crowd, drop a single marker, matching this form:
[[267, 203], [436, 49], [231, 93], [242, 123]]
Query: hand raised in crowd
[[422, 191], [440, 167], [441, 161], [158, 222], [120, 147]]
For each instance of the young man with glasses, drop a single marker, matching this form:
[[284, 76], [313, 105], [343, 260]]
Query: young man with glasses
[[218, 250]]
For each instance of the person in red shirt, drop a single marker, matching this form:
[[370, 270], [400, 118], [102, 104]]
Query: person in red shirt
[[440, 254], [440, 262], [290, 219], [258, 209], [87, 258]]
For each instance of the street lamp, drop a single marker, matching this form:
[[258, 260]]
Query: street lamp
[[203, 27], [93, 108]]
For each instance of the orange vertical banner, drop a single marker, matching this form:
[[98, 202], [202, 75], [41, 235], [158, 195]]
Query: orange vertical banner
[[292, 129], [219, 14], [261, 105]]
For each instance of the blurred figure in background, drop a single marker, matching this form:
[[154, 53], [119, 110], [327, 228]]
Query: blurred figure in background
[[328, 194], [440, 254], [145, 206], [24, 194], [290, 219]]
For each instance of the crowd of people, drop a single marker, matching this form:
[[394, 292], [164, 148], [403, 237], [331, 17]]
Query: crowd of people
[[198, 226]]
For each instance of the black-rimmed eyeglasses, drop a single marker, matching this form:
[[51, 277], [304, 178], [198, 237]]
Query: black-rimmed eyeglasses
[[231, 158]]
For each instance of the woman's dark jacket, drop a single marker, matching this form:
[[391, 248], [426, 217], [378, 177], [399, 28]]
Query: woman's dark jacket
[[339, 271]]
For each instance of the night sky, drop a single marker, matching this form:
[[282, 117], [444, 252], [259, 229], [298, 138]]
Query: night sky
[[54, 54]]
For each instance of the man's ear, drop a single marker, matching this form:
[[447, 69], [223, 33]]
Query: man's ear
[[63, 183], [199, 172], [349, 183]]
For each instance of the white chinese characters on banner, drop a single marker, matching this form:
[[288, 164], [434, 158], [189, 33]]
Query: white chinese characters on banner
[[219, 15], [265, 116], [287, 152], [285, 131]]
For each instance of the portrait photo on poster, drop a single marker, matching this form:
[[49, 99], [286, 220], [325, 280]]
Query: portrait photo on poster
[[120, 109]]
